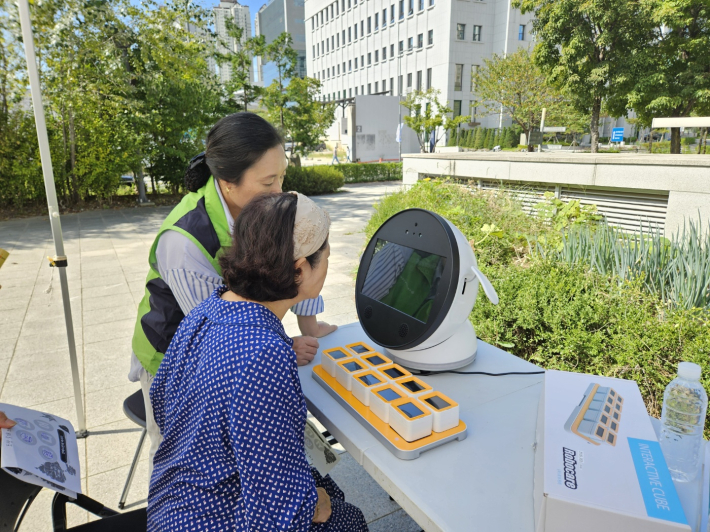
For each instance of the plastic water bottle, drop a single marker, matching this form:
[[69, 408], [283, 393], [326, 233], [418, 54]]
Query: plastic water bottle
[[682, 421]]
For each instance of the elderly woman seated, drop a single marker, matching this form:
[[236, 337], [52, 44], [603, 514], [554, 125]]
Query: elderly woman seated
[[227, 396]]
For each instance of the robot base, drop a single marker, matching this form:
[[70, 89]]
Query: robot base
[[455, 352]]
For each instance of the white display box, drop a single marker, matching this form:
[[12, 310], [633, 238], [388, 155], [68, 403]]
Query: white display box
[[598, 464]]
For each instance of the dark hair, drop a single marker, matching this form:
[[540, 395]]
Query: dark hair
[[259, 265], [233, 145]]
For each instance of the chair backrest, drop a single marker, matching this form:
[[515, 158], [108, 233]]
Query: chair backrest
[[14, 496]]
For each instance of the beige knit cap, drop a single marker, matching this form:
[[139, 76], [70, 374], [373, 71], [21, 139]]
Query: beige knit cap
[[311, 227]]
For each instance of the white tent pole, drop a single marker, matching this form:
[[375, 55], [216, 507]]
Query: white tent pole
[[60, 260]]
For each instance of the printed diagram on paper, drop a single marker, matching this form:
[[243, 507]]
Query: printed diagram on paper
[[41, 449]]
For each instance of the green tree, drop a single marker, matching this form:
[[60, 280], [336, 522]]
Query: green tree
[[478, 140], [280, 52], [589, 50], [520, 87], [676, 79], [241, 86], [429, 116], [306, 118]]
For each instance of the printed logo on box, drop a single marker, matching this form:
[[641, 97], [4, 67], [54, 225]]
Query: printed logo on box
[[598, 415]]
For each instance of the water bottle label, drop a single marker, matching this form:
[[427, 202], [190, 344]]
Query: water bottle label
[[657, 488]]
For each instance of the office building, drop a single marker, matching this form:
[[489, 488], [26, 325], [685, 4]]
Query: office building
[[239, 14], [358, 47], [272, 20]]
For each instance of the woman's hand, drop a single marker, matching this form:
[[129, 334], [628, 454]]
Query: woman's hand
[[5, 423], [310, 326], [323, 507], [306, 348]]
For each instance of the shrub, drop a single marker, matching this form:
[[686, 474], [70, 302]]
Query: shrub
[[313, 180], [567, 318], [365, 173]]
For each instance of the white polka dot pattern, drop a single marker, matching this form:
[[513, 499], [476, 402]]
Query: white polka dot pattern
[[228, 401]]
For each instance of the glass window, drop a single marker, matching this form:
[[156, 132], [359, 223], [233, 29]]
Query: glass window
[[369, 58], [377, 21], [410, 43], [384, 17], [420, 40], [362, 61], [384, 53], [377, 87], [399, 86], [369, 25], [392, 14], [384, 85], [355, 91], [431, 2], [350, 93], [362, 28], [343, 37], [338, 70], [430, 38], [411, 7], [419, 80], [356, 63], [477, 33], [401, 9], [460, 31], [459, 77], [350, 65], [421, 5], [474, 71], [457, 108], [350, 34], [472, 109], [337, 40], [391, 86], [521, 32], [332, 42], [409, 81], [369, 88], [343, 67], [355, 31], [428, 78], [377, 56], [401, 46]]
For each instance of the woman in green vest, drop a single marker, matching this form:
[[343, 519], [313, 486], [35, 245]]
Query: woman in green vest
[[244, 157]]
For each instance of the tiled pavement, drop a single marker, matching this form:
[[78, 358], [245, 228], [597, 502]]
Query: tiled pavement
[[107, 253]]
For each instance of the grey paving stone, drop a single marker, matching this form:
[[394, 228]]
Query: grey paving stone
[[397, 521]]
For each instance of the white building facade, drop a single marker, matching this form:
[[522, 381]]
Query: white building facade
[[358, 47], [239, 14]]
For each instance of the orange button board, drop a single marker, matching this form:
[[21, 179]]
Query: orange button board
[[393, 441]]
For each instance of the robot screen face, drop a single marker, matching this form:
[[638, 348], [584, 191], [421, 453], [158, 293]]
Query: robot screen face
[[404, 278]]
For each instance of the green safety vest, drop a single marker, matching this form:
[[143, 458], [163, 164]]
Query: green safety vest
[[200, 217]]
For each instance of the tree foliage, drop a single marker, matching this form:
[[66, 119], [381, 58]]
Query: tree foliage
[[588, 49], [241, 87], [429, 116]]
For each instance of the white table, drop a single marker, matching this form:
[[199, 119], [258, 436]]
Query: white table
[[484, 482]]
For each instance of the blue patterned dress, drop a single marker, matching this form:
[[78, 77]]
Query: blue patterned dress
[[228, 401]]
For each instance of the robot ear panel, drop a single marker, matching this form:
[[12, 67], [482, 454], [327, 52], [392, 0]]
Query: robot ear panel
[[486, 284]]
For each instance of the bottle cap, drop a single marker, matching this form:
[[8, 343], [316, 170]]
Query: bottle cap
[[689, 371]]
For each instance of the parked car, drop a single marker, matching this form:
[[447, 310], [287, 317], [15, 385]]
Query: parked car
[[127, 179]]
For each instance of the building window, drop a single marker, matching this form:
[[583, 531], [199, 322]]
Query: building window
[[313, 23], [392, 14], [421, 5], [356, 63], [362, 28], [369, 58], [349, 8], [355, 91], [384, 85], [391, 50], [350, 65], [314, 51], [419, 80], [460, 31], [362, 61], [428, 78], [430, 37], [521, 32], [401, 46], [411, 7], [384, 17], [343, 37], [431, 2], [420, 40], [459, 77], [399, 84], [355, 32], [377, 87], [410, 43], [362, 89], [369, 25], [337, 42], [328, 72], [343, 67], [377, 21], [332, 42], [457, 108], [377, 56], [338, 70], [350, 93], [477, 33], [369, 88], [409, 81], [332, 15], [384, 53], [474, 71], [401, 9], [327, 45], [472, 109], [350, 34]]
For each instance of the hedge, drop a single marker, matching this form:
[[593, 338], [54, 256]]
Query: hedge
[[365, 173], [313, 180]]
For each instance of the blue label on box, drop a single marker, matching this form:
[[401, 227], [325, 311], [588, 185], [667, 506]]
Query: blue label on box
[[657, 488]]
